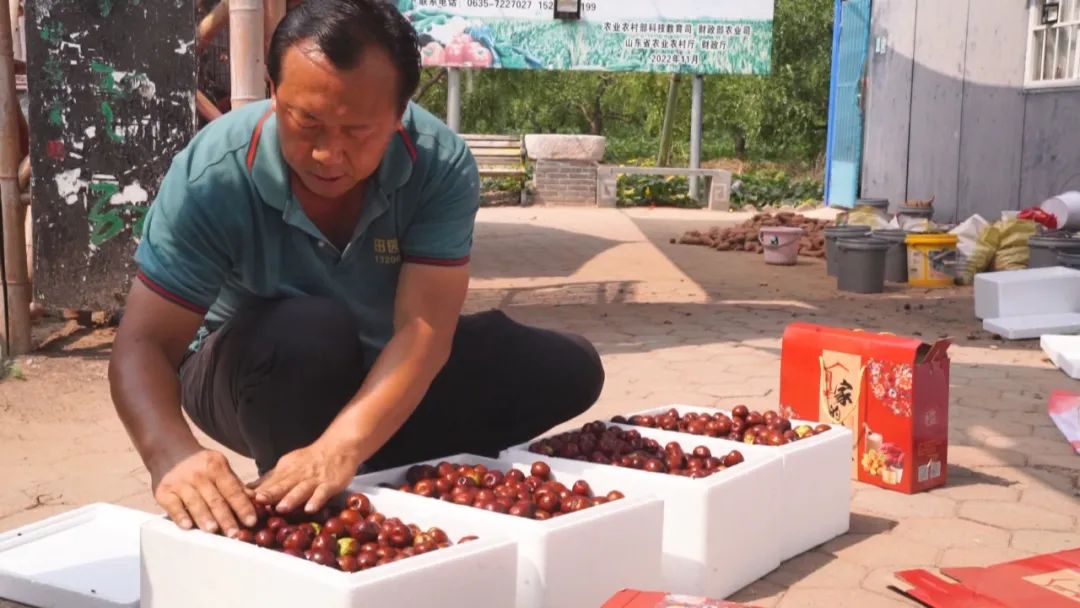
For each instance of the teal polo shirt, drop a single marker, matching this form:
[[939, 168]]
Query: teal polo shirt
[[225, 231]]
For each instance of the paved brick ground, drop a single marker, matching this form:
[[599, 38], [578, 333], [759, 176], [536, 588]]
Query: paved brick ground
[[674, 324]]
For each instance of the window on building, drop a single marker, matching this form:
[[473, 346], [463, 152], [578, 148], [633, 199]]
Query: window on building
[[1054, 44]]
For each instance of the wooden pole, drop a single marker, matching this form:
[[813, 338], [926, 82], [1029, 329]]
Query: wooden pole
[[273, 13], [17, 286], [245, 51], [29, 235], [24, 196], [24, 174], [211, 24], [205, 107], [16, 31]]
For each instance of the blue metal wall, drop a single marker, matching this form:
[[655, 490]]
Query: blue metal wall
[[851, 41]]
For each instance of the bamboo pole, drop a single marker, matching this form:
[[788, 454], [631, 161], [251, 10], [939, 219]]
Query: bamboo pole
[[24, 174], [211, 24], [15, 7], [17, 287], [29, 235], [664, 157], [273, 13], [245, 51]]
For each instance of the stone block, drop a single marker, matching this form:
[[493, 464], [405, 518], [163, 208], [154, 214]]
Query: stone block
[[565, 147]]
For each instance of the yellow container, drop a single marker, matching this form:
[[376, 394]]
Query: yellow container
[[929, 257]]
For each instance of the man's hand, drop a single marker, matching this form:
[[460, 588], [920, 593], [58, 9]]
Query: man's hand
[[309, 476], [202, 487]]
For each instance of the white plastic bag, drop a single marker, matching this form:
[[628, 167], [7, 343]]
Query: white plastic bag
[[968, 232], [917, 224]]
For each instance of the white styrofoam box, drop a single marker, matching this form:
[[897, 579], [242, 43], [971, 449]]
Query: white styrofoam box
[[624, 535], [1064, 352], [85, 558], [187, 568], [1033, 326], [1032, 291], [719, 531], [816, 482]]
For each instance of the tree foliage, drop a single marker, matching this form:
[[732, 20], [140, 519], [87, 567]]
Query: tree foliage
[[782, 116]]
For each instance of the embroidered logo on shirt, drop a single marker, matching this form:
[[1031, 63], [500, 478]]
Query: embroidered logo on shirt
[[387, 251]]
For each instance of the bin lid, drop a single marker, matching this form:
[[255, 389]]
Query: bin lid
[[877, 203], [864, 244], [1056, 241], [892, 234], [85, 558], [847, 229]]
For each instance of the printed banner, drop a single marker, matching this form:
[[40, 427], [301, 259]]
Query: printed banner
[[687, 36]]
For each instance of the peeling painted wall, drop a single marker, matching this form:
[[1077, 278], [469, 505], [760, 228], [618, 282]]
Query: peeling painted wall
[[111, 87]]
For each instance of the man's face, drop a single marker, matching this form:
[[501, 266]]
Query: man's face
[[335, 124]]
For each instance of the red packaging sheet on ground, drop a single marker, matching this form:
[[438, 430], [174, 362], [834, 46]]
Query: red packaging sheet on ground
[[633, 598], [1064, 410], [1051, 580]]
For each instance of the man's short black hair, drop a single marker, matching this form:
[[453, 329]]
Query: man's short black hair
[[342, 30]]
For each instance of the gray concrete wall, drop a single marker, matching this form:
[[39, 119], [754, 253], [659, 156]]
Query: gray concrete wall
[[947, 114]]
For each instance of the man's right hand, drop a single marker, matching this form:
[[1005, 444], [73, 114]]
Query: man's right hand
[[201, 489], [195, 486]]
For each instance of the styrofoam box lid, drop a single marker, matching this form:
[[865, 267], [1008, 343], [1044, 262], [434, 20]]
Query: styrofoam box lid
[[1027, 274], [1033, 326], [1064, 352], [85, 558]]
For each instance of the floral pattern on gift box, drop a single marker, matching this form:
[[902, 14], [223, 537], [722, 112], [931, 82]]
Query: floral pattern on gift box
[[891, 385]]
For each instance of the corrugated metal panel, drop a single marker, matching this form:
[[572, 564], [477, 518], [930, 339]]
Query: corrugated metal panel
[[846, 121]]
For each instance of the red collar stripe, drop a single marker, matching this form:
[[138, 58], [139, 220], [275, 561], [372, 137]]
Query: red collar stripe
[[408, 143], [253, 147]]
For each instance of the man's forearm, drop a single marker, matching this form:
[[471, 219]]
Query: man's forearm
[[146, 393], [393, 388]]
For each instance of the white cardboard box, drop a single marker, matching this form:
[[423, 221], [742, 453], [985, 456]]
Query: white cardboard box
[[577, 559], [816, 482], [85, 558], [190, 568], [719, 533]]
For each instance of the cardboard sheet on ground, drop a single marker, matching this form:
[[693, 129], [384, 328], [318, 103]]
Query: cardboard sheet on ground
[[1051, 580], [632, 598]]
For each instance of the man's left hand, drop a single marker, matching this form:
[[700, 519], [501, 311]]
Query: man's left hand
[[307, 477]]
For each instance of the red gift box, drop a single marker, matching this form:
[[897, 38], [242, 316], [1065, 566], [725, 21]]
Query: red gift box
[[892, 392]]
